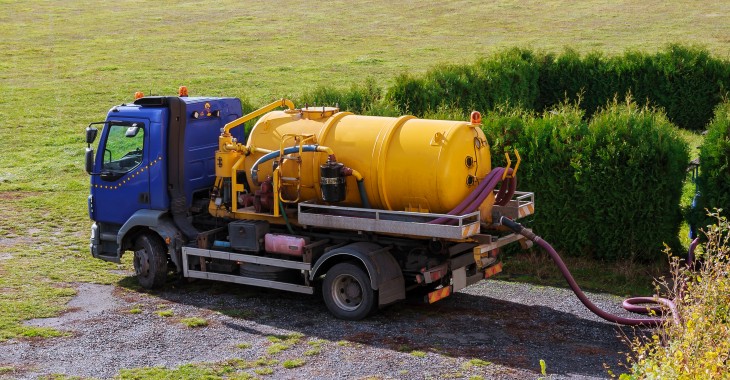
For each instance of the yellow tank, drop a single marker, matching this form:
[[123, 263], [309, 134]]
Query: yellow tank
[[408, 164]]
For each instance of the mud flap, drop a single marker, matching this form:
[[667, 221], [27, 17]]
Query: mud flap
[[391, 285], [385, 274]]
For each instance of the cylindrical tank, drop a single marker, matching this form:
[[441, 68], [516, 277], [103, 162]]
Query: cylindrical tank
[[408, 164]]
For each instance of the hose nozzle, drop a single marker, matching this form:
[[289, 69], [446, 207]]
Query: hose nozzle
[[517, 228]]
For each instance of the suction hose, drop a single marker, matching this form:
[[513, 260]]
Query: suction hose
[[631, 303], [486, 186]]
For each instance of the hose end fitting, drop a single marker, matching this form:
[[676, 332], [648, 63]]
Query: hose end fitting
[[517, 228]]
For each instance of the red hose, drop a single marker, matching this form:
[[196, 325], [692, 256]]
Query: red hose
[[486, 187], [646, 322]]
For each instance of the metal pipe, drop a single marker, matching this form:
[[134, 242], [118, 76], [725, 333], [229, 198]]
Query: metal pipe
[[646, 322], [279, 103], [363, 193], [276, 153]]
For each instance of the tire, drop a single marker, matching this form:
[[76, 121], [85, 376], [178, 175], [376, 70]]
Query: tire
[[347, 292], [150, 261]]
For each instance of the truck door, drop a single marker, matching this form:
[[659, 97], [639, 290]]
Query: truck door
[[122, 161]]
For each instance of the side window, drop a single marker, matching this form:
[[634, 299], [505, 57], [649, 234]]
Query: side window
[[123, 150]]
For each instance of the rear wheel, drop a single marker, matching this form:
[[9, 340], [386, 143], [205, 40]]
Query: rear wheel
[[150, 261], [347, 292]]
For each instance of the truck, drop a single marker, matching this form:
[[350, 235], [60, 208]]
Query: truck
[[363, 210]]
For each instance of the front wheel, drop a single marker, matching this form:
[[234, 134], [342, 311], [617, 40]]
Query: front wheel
[[150, 261], [347, 292]]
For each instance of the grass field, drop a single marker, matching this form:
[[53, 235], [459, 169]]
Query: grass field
[[63, 64]]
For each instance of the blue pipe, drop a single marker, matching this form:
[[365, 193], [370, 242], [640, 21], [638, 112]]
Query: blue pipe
[[272, 155]]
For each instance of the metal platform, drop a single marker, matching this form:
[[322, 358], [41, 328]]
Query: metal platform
[[521, 205], [396, 222]]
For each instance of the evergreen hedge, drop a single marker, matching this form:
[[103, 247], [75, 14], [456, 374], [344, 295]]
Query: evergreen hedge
[[507, 77], [608, 188], [687, 82], [714, 179], [359, 99]]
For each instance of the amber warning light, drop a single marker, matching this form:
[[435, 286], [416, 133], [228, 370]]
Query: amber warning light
[[476, 117]]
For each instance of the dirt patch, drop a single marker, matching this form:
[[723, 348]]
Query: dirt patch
[[90, 301], [8, 242], [17, 195]]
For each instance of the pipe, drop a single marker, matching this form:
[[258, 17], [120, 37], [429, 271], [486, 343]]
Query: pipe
[[645, 322], [360, 184], [286, 218], [276, 153], [363, 193], [279, 103]]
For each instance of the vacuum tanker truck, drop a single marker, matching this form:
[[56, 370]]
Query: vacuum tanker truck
[[367, 209]]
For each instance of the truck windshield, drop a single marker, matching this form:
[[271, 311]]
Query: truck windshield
[[124, 147]]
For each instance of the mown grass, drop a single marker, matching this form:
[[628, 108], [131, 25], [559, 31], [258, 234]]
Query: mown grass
[[45, 252], [64, 64]]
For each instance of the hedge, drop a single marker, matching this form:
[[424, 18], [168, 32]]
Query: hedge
[[608, 188], [687, 82], [359, 99], [507, 77], [714, 179]]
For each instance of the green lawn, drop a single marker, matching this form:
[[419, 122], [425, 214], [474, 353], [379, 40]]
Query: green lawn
[[63, 64]]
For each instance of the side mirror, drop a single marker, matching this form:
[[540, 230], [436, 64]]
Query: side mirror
[[90, 160], [91, 134], [132, 131]]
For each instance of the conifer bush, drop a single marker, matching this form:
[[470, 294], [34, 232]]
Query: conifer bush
[[687, 82], [608, 188], [714, 179]]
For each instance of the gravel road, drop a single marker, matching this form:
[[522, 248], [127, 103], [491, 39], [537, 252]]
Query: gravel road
[[510, 325]]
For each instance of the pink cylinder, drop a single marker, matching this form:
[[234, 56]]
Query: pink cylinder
[[285, 244]]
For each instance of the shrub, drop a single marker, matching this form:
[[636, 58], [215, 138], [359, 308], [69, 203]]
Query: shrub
[[357, 99], [634, 179], [568, 77], [687, 82], [507, 77], [699, 346], [608, 188], [714, 179]]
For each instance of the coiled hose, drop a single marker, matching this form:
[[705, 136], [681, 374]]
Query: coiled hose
[[630, 304], [486, 187]]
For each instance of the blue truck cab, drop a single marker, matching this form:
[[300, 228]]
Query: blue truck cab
[[152, 172]]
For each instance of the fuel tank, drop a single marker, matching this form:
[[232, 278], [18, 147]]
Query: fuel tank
[[408, 164]]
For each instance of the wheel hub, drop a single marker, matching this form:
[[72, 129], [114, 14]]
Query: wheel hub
[[141, 262], [347, 292], [352, 290]]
